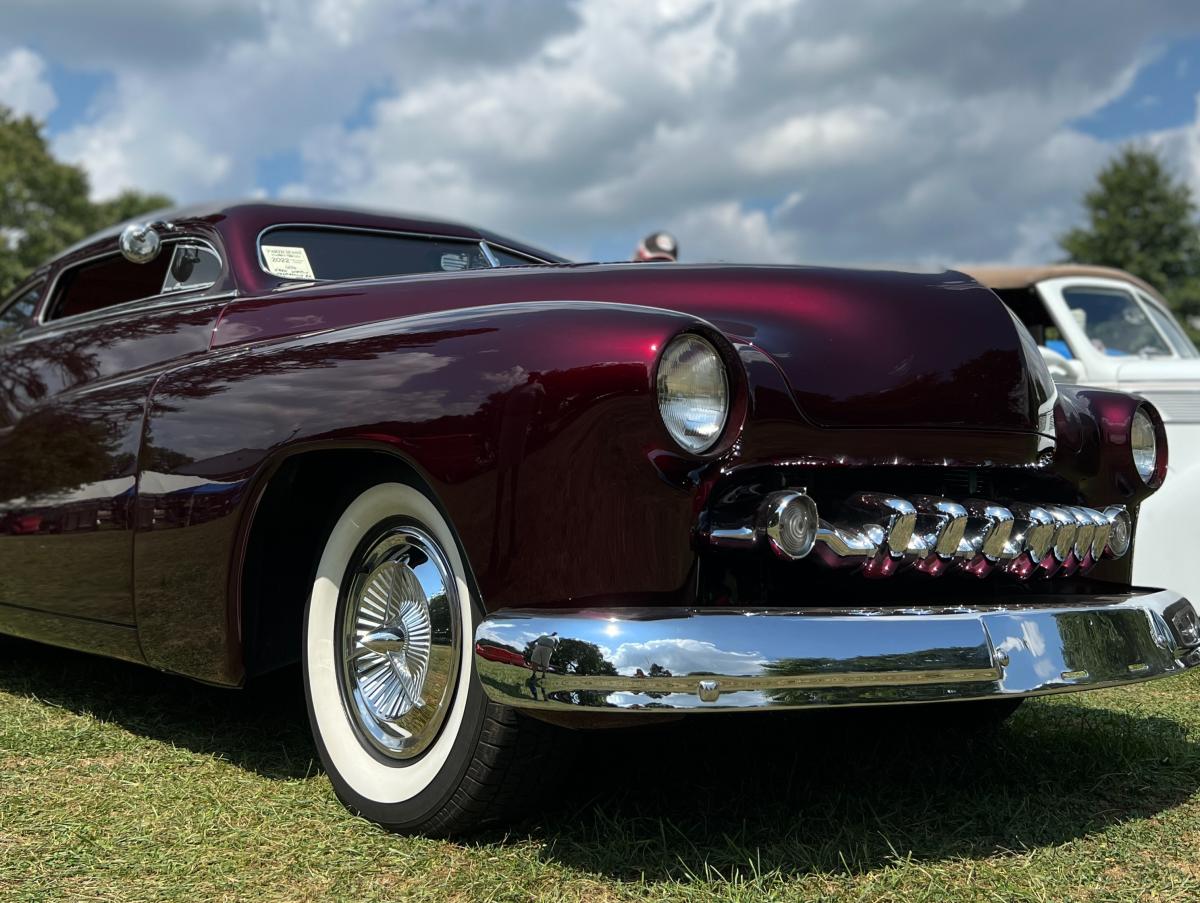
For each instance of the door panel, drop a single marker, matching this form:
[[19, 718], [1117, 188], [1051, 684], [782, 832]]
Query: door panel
[[72, 406]]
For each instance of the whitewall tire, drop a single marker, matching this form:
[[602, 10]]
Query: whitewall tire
[[401, 723]]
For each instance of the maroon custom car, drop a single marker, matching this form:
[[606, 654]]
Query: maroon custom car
[[483, 495]]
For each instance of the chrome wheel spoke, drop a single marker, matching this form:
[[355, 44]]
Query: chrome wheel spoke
[[399, 669]]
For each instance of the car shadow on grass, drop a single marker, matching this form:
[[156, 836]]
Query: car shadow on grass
[[788, 794], [848, 792], [263, 728]]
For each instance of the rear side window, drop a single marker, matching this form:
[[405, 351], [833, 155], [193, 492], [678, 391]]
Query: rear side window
[[18, 313], [316, 253], [182, 266]]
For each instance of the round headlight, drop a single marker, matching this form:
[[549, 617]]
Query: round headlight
[[693, 392], [1144, 445]]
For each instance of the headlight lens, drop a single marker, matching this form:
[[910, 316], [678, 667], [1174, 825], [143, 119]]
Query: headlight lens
[[1144, 445], [693, 392]]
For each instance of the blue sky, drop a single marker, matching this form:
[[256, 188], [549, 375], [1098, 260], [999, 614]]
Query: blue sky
[[891, 131], [1163, 96]]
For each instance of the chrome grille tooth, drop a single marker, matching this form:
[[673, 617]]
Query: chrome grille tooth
[[1104, 528], [1085, 531], [946, 520], [1036, 527], [993, 524], [895, 518], [1064, 532]]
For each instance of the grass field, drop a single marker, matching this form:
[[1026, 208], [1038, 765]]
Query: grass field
[[117, 783]]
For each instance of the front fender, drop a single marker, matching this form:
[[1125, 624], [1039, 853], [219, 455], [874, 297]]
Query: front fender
[[535, 425]]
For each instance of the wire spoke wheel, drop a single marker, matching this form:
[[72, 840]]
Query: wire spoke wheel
[[400, 641]]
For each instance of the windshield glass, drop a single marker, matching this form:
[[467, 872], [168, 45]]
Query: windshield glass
[[1171, 329], [1115, 323]]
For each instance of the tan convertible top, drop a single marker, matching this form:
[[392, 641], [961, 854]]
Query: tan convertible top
[[1002, 277]]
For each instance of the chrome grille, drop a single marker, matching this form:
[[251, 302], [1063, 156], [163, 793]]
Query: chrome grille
[[881, 534]]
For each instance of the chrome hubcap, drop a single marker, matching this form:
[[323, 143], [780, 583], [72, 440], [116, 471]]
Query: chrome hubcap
[[400, 642]]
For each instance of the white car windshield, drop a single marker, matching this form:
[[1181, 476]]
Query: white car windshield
[[1118, 324]]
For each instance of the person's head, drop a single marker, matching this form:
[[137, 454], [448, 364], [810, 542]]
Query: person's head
[[657, 246]]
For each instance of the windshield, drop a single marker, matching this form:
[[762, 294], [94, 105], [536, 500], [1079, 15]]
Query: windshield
[[1171, 329], [1115, 322]]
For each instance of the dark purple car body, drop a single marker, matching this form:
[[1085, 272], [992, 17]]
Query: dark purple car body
[[180, 456]]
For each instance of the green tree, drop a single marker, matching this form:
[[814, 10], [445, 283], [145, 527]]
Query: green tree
[[44, 205], [1142, 219]]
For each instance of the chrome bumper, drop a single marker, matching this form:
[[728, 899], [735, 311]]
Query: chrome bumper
[[656, 659]]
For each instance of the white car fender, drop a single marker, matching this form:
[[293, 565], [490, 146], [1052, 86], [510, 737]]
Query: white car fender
[[1166, 550]]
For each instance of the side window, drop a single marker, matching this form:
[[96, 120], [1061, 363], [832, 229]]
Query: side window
[[192, 267], [308, 253], [113, 280], [17, 314]]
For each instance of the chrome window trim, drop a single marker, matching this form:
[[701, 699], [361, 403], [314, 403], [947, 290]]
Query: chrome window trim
[[490, 257], [19, 293], [484, 245], [48, 297], [151, 304], [530, 259]]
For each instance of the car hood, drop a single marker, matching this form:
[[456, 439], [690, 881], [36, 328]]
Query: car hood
[[858, 348], [872, 349]]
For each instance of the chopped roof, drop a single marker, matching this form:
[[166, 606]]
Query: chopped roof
[[314, 212]]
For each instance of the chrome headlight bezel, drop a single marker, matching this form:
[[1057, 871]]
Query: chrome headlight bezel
[[694, 416], [1143, 445]]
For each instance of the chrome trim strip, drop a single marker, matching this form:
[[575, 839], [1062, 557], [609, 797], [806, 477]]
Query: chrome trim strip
[[39, 331], [491, 258], [689, 659]]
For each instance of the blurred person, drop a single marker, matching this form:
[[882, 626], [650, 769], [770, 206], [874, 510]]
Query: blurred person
[[657, 246]]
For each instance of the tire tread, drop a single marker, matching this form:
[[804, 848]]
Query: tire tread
[[515, 757]]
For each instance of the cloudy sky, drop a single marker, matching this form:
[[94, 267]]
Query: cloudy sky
[[774, 130]]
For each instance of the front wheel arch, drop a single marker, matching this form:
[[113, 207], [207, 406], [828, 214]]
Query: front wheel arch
[[293, 509]]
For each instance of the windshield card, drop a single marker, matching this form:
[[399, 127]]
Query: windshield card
[[290, 263]]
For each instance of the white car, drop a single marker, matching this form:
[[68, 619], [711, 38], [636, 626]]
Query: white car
[[1103, 327]]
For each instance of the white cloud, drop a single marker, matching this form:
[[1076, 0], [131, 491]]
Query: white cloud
[[815, 139], [783, 130], [23, 84], [683, 656]]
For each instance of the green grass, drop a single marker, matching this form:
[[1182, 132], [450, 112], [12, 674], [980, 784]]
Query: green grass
[[120, 784]]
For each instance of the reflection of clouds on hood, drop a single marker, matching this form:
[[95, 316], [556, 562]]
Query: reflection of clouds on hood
[[507, 379], [682, 656]]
